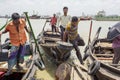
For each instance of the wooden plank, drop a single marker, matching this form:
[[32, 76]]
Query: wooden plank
[[106, 61], [72, 74], [104, 45], [101, 58], [52, 32], [51, 38], [80, 71], [111, 55], [14, 70], [108, 74], [32, 72], [49, 44], [115, 64], [4, 68]]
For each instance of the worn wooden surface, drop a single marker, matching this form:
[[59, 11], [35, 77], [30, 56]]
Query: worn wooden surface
[[106, 71], [104, 45], [69, 70], [78, 71], [53, 39], [4, 67], [48, 73]]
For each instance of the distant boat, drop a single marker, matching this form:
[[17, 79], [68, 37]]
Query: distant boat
[[45, 17], [85, 18], [34, 17]]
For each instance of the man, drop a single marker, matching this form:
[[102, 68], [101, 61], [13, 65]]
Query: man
[[64, 21], [114, 37], [53, 23], [73, 36], [116, 49], [16, 29]]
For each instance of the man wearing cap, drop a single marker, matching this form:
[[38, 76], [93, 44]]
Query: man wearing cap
[[16, 29], [64, 19]]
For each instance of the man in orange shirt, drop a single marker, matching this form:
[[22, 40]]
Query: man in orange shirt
[[53, 23], [16, 29]]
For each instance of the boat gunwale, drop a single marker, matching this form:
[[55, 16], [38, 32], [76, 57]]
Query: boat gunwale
[[111, 68]]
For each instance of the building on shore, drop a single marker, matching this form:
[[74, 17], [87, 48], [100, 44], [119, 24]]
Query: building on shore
[[101, 16]]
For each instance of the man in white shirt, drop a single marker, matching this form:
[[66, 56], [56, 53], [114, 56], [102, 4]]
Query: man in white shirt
[[64, 19]]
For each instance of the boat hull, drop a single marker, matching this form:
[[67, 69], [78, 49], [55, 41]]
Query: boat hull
[[106, 72]]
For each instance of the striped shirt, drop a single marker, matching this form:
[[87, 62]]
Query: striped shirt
[[72, 31]]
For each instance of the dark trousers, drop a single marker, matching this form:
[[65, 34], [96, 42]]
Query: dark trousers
[[16, 56], [62, 31], [75, 45], [54, 28], [116, 57]]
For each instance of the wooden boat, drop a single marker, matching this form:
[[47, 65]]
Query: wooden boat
[[28, 65], [100, 55], [57, 61], [32, 59], [34, 17], [54, 53], [52, 45]]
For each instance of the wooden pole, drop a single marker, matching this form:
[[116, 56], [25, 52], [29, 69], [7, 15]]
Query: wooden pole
[[89, 38], [5, 24], [0, 45], [37, 46]]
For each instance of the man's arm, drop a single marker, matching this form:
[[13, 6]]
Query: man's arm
[[65, 36], [3, 32], [27, 29], [78, 20], [70, 18], [58, 21]]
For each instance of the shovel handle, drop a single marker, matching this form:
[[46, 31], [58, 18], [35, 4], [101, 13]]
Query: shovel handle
[[0, 44]]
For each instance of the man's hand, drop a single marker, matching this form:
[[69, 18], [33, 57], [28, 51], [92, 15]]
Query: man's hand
[[65, 36], [0, 33]]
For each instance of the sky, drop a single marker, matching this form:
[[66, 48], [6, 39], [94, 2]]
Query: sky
[[48, 7]]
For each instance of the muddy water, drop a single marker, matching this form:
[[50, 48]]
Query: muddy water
[[83, 31]]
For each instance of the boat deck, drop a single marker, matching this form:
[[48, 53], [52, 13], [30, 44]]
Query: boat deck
[[78, 72], [107, 74], [105, 53], [4, 67]]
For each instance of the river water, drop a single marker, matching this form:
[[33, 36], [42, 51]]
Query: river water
[[37, 25], [83, 29]]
